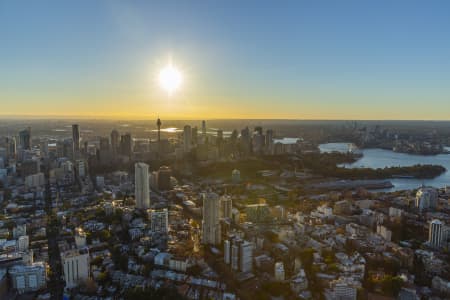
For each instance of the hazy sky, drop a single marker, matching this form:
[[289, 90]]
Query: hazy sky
[[240, 59]]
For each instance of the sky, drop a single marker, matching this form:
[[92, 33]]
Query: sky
[[239, 59]]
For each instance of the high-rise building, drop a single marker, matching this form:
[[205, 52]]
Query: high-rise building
[[187, 138], [142, 186], [227, 252], [11, 148], [114, 142], [211, 219], [159, 220], [104, 151], [239, 253], [81, 168], [195, 135], [25, 139], [269, 139], [163, 178], [126, 144], [226, 206], [75, 263], [436, 233], [245, 141], [246, 257], [43, 147], [76, 140], [426, 197], [219, 136], [204, 129]]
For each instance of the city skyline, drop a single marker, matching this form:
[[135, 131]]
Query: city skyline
[[377, 61]]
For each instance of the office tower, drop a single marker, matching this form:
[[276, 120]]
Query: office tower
[[104, 151], [11, 148], [141, 186], [436, 233], [25, 139], [76, 140], [426, 198], [211, 219], [258, 140], [219, 136], [195, 135], [204, 129], [269, 139], [75, 263], [245, 142], [81, 168], [187, 138], [43, 147], [226, 206], [114, 142], [241, 257], [159, 220], [163, 178], [126, 144], [104, 143], [246, 257], [235, 246], [234, 137], [227, 252]]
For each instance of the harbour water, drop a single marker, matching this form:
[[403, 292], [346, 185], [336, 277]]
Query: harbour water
[[380, 158]]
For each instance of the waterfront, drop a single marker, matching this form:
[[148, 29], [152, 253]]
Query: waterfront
[[380, 158]]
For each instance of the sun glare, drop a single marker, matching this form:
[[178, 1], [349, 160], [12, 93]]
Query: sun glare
[[170, 78]]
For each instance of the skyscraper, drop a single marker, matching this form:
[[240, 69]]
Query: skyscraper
[[426, 198], [126, 144], [11, 148], [211, 219], [204, 128], [195, 135], [114, 142], [76, 140], [219, 136], [141, 186], [269, 139], [226, 206], [239, 253], [436, 233], [187, 138], [25, 139]]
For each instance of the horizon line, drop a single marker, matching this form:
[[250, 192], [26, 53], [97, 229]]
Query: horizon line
[[142, 118]]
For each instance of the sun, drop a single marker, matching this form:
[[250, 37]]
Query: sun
[[170, 78]]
